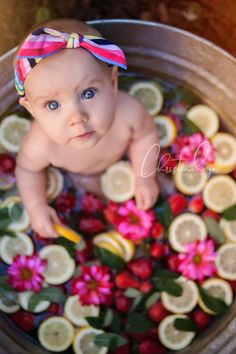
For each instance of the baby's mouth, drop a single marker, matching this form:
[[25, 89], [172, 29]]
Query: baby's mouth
[[84, 135]]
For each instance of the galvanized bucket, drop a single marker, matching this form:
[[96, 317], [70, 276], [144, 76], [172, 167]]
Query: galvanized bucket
[[156, 49]]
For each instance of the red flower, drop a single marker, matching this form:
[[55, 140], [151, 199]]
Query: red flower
[[91, 203], [65, 202], [91, 225], [167, 162], [7, 163], [178, 203]]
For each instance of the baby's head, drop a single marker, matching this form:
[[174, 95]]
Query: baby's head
[[66, 81]]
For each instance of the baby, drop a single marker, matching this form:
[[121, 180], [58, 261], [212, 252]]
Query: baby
[[66, 75]]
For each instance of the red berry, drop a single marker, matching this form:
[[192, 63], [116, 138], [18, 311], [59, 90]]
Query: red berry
[[126, 280], [55, 309], [149, 346], [201, 318], [91, 225], [91, 203], [211, 214], [178, 203], [196, 204], [122, 303], [173, 262], [167, 162], [124, 349], [157, 312], [24, 320], [157, 230], [142, 268], [157, 250], [7, 163], [65, 202], [111, 213], [145, 287]]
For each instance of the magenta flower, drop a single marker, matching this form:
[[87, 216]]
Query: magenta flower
[[199, 260], [195, 149], [93, 286], [136, 224], [25, 273]]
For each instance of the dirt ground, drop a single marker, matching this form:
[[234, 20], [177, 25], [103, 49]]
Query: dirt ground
[[212, 19]]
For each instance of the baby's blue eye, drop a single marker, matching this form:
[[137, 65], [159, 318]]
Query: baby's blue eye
[[88, 94], [52, 105]]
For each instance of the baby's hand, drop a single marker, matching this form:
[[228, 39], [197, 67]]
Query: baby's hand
[[146, 192], [42, 218]]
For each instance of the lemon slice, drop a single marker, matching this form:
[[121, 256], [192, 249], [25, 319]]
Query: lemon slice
[[205, 118], [225, 152], [118, 182], [67, 233], [226, 261], [11, 246], [186, 228], [127, 245], [24, 298], [167, 130], [55, 182], [188, 180], [171, 337], [23, 222], [56, 334], [6, 182], [60, 266], [149, 94], [104, 240], [184, 303], [9, 308], [219, 193], [229, 229], [12, 131], [218, 288], [84, 341], [77, 313]]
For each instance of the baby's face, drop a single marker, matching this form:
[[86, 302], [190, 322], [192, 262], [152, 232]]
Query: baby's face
[[73, 97]]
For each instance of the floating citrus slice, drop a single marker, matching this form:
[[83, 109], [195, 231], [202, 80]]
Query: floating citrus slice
[[24, 298], [225, 152], [11, 246], [23, 222], [12, 131], [219, 193], [55, 182], [186, 228], [229, 229], [217, 288], [118, 182], [104, 240], [184, 303], [77, 313], [56, 334], [67, 233], [205, 118], [84, 341], [60, 266], [188, 180], [9, 308], [226, 261], [170, 336], [149, 94], [167, 130], [127, 245]]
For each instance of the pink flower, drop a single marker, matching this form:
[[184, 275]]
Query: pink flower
[[198, 261], [136, 223], [93, 286], [25, 273], [195, 149], [91, 203]]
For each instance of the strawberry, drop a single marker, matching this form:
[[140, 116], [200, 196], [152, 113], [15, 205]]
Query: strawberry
[[91, 203], [91, 225], [111, 213], [65, 202], [150, 346], [157, 230], [173, 262], [157, 312], [201, 318], [145, 287], [55, 309], [211, 214], [124, 349], [125, 280], [178, 203], [167, 162], [157, 250], [122, 303], [141, 267], [7, 163], [196, 204], [24, 320]]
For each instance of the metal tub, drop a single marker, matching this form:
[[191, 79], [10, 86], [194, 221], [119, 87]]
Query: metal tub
[[156, 49]]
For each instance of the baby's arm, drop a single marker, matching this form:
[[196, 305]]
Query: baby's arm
[[30, 173], [143, 153]]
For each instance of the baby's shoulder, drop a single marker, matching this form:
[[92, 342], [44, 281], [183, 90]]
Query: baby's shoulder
[[129, 106]]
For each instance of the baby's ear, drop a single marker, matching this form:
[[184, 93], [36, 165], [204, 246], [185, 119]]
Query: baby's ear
[[25, 103], [114, 77]]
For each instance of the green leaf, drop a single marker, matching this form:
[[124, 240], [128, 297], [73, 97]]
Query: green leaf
[[132, 293], [34, 300], [7, 233], [164, 213], [214, 230], [16, 211], [51, 294], [136, 302], [108, 318], [110, 259], [168, 285], [185, 324], [4, 213], [152, 300], [68, 245], [214, 304], [8, 296], [95, 322], [166, 273], [110, 340], [189, 128], [186, 96], [116, 323], [4, 223], [139, 323], [229, 213]]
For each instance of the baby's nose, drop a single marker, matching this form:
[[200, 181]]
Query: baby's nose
[[78, 117]]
